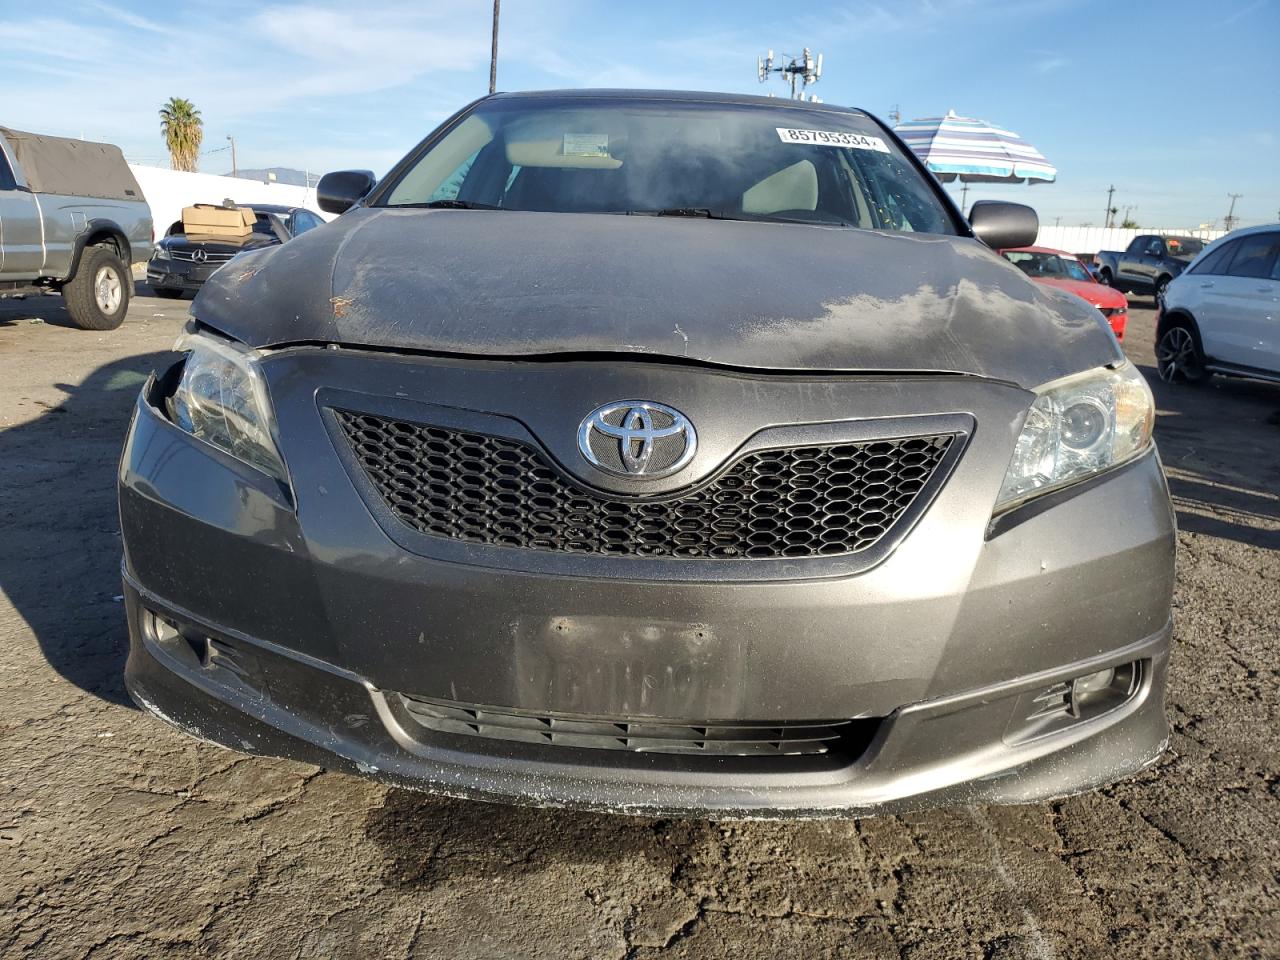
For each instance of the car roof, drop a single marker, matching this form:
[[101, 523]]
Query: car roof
[[1061, 253], [1245, 231], [689, 96], [269, 207]]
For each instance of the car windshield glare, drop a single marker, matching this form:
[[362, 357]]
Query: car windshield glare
[[1183, 246], [693, 159], [1048, 265]]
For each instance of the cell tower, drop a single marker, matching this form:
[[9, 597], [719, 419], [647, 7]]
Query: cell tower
[[800, 71]]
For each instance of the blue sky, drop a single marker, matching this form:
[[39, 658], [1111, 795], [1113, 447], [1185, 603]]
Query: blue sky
[[1177, 103]]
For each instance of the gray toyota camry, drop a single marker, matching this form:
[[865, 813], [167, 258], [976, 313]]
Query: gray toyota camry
[[658, 453]]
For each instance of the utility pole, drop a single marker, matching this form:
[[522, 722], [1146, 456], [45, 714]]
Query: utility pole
[[234, 169], [800, 71], [1229, 221], [896, 114], [1106, 220], [493, 53]]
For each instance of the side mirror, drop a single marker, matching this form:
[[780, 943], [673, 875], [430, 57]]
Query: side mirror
[[1000, 225], [339, 192]]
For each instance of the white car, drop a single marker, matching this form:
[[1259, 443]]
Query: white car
[[1222, 315]]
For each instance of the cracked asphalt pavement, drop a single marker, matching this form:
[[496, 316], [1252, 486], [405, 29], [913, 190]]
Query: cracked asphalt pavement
[[120, 838]]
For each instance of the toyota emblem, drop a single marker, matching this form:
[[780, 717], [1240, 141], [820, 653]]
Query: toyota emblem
[[639, 439]]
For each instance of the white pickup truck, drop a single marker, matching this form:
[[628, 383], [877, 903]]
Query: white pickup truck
[[72, 220]]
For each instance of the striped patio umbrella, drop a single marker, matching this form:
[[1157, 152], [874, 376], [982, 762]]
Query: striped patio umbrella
[[974, 151]]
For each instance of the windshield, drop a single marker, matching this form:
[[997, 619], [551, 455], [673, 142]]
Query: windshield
[[1049, 265], [1183, 246], [263, 226], [676, 159]]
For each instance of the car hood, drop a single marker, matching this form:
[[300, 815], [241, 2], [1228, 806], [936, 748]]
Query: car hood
[[755, 295], [1095, 294]]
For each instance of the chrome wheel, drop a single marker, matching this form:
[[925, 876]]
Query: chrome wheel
[[1177, 358], [107, 290]]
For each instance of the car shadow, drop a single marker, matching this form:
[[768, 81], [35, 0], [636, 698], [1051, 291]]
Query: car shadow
[[36, 308], [60, 560], [50, 308], [1220, 442], [429, 840]]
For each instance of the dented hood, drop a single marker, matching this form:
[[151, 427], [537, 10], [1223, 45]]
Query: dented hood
[[752, 295]]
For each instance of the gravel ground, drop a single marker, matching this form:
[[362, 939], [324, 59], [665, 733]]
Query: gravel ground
[[121, 838]]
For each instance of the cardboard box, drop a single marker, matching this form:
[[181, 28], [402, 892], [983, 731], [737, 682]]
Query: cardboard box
[[208, 220]]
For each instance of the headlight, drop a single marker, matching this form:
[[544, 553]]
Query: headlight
[[1077, 427], [161, 253], [221, 398]]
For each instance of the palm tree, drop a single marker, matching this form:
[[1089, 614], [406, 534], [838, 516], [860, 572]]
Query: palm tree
[[183, 130]]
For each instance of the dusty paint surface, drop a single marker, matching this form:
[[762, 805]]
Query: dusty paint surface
[[753, 295], [123, 839]]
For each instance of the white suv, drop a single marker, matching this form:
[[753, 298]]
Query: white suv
[[1222, 315]]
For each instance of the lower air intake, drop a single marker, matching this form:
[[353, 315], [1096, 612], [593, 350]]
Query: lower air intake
[[737, 738]]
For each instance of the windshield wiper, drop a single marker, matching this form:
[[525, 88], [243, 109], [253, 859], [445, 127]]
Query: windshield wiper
[[451, 205], [705, 213]]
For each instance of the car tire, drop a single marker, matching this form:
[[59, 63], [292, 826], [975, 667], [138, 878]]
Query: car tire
[[1104, 277], [97, 297], [1179, 358], [1157, 292], [168, 292]]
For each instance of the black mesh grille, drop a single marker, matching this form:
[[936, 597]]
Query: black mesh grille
[[725, 738], [797, 502]]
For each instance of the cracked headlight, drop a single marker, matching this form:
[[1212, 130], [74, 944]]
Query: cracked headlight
[[221, 399], [1079, 426]]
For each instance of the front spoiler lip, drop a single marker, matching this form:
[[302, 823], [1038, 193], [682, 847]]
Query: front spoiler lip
[[1121, 742]]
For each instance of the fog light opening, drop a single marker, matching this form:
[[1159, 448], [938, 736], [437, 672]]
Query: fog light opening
[[165, 635], [1103, 690]]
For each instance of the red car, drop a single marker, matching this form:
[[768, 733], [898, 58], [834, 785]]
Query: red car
[[1058, 269]]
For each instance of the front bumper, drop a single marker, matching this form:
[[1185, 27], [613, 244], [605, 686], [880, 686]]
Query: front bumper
[[1118, 322], [301, 620], [179, 274]]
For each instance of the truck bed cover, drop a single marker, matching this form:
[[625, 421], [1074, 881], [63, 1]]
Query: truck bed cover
[[73, 168]]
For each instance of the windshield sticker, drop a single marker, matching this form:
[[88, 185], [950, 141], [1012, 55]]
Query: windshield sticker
[[586, 145], [831, 138]]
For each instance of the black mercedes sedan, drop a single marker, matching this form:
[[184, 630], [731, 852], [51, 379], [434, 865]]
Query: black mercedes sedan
[[654, 452], [181, 263]]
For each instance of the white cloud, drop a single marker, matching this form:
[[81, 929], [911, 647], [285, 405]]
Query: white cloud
[[1244, 12], [255, 75]]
